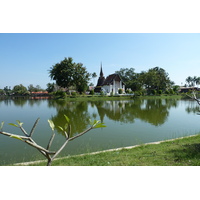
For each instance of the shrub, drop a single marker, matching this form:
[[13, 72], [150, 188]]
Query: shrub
[[60, 93], [120, 91], [101, 93], [167, 92], [154, 92], [92, 92], [73, 94]]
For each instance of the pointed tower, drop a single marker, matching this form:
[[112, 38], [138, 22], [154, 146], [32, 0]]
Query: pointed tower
[[101, 71], [100, 81]]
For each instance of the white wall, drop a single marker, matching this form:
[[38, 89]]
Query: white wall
[[115, 87]]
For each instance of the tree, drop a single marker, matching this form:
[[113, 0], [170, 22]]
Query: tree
[[130, 78], [7, 90], [2, 92], [80, 78], [197, 81], [50, 87], [68, 73], [192, 81], [31, 88], [66, 129], [189, 81], [155, 79], [20, 90], [38, 88]]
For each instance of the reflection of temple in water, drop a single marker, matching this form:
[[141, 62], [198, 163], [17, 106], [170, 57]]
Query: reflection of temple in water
[[153, 111], [113, 109]]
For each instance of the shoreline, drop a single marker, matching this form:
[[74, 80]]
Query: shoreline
[[98, 152]]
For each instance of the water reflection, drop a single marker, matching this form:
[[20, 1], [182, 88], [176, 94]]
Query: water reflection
[[21, 102], [76, 111], [192, 108], [140, 121], [153, 111]]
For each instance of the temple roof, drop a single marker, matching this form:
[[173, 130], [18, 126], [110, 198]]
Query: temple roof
[[110, 78]]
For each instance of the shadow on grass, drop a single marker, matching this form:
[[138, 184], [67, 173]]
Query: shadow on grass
[[187, 152]]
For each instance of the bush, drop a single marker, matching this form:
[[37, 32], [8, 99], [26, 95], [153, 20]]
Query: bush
[[154, 92], [101, 93], [120, 91], [60, 93], [92, 92], [73, 94], [171, 91], [167, 92]]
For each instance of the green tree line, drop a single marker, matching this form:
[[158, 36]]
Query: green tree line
[[20, 90], [68, 74], [154, 81]]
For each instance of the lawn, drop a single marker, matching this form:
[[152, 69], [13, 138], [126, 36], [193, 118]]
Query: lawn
[[180, 152]]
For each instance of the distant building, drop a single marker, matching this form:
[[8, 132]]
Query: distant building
[[39, 93], [187, 89], [109, 85]]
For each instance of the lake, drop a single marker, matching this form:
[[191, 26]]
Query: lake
[[129, 122]]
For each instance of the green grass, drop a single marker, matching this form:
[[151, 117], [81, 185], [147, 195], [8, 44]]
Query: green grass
[[103, 98], [94, 98], [179, 152]]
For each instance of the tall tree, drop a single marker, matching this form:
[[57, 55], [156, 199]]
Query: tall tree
[[68, 73], [50, 87], [189, 81], [20, 90], [155, 79], [130, 78], [7, 90], [197, 81]]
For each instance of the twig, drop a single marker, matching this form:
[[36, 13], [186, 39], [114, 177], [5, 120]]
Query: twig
[[22, 129], [50, 141], [80, 134], [35, 124]]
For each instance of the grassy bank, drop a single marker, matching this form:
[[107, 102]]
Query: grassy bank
[[107, 98], [179, 152]]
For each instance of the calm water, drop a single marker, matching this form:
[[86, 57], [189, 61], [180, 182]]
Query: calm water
[[128, 123]]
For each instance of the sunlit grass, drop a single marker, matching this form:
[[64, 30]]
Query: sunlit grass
[[179, 152]]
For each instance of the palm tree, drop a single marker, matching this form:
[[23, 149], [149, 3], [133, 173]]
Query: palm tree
[[189, 80], [197, 81]]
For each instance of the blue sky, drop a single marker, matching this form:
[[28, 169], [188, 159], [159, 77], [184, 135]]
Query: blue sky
[[27, 57]]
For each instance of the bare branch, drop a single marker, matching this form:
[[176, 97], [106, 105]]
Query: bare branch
[[61, 148], [194, 97], [66, 136], [22, 129], [50, 141], [39, 147], [13, 135], [80, 134], [35, 124]]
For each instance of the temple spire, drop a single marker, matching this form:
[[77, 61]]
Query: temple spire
[[101, 71]]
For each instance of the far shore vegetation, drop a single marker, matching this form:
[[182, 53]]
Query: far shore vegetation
[[72, 80]]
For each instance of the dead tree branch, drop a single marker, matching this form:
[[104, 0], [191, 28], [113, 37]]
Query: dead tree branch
[[194, 97]]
